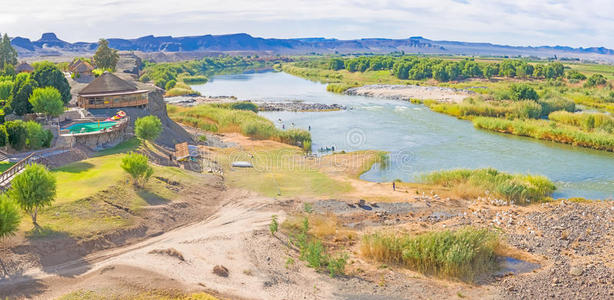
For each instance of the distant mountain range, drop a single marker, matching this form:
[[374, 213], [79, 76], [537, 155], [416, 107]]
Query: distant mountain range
[[50, 45]]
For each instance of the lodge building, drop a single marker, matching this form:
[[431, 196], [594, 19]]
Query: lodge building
[[110, 91]]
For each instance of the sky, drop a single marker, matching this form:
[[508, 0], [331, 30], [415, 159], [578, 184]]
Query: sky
[[576, 23]]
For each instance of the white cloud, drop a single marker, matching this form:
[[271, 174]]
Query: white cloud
[[519, 22]]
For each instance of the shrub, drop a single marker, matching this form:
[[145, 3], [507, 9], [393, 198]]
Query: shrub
[[177, 91], [556, 104], [137, 165], [33, 189], [5, 89], [37, 136], [463, 253], [517, 188], [522, 92], [244, 106], [595, 80], [9, 216], [170, 84], [274, 226], [17, 134], [148, 128], [47, 100], [575, 75], [196, 79]]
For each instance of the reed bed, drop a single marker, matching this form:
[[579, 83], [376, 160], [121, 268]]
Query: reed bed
[[549, 131], [518, 188], [586, 121], [464, 253]]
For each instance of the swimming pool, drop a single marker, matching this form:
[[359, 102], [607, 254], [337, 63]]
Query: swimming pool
[[90, 126]]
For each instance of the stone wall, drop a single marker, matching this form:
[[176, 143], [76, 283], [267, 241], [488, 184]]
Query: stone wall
[[101, 140]]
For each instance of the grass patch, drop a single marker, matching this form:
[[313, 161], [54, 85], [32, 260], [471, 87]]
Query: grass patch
[[511, 187], [462, 254], [5, 165]]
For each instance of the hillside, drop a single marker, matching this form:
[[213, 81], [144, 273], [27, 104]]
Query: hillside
[[50, 45]]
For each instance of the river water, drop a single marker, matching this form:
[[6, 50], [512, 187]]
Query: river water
[[418, 139]]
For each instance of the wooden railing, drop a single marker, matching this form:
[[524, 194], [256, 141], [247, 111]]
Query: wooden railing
[[35, 157]]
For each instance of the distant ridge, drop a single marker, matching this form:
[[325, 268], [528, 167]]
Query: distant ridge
[[49, 44]]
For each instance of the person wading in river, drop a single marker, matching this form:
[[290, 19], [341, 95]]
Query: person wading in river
[[394, 187]]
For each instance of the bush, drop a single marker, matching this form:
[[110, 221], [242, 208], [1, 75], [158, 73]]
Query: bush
[[575, 75], [244, 106], [9, 217], [196, 79], [556, 104], [137, 165], [47, 100], [33, 189], [595, 80], [170, 84], [17, 134], [37, 136], [522, 92], [5, 89], [464, 253], [274, 226], [148, 128]]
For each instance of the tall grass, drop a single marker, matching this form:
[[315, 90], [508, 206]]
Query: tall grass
[[463, 254], [512, 187], [339, 88], [549, 131], [586, 121], [222, 118], [501, 109]]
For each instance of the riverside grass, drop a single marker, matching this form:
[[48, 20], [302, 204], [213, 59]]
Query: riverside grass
[[586, 121], [549, 131], [464, 253], [512, 187], [222, 118]]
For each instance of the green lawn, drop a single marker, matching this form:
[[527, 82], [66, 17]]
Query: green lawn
[[5, 165]]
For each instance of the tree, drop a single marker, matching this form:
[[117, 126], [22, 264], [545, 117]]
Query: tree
[[8, 54], [9, 216], [4, 136], [137, 165], [523, 92], [5, 89], [148, 128], [48, 101], [47, 74], [105, 57], [37, 136], [23, 87], [33, 189], [17, 134], [595, 80], [336, 64]]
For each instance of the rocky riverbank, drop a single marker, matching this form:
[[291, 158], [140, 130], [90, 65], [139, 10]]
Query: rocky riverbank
[[411, 92], [262, 105]]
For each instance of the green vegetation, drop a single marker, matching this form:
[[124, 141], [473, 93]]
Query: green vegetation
[[194, 79], [148, 128], [8, 54], [20, 135], [464, 253], [105, 57], [511, 187], [274, 226], [313, 252], [33, 189], [236, 118], [9, 217], [549, 131], [47, 74], [586, 121], [23, 86], [48, 101], [137, 165]]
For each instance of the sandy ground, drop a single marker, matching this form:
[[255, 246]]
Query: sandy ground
[[409, 92]]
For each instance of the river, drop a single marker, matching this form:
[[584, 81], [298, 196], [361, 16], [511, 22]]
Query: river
[[418, 139]]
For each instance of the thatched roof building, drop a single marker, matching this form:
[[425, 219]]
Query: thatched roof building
[[24, 67], [109, 91]]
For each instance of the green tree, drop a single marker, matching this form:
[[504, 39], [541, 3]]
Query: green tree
[[33, 189], [4, 136], [105, 57], [148, 128], [8, 54], [17, 134], [48, 101], [336, 64], [36, 135], [23, 87], [5, 89], [9, 216], [522, 92], [47, 74], [595, 80], [137, 165]]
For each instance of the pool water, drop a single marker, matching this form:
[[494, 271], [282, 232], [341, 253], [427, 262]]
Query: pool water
[[90, 126]]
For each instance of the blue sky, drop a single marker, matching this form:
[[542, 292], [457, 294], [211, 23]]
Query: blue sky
[[522, 22]]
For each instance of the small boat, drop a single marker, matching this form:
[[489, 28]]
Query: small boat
[[242, 164]]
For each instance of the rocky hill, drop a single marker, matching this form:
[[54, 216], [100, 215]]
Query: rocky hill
[[50, 45]]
